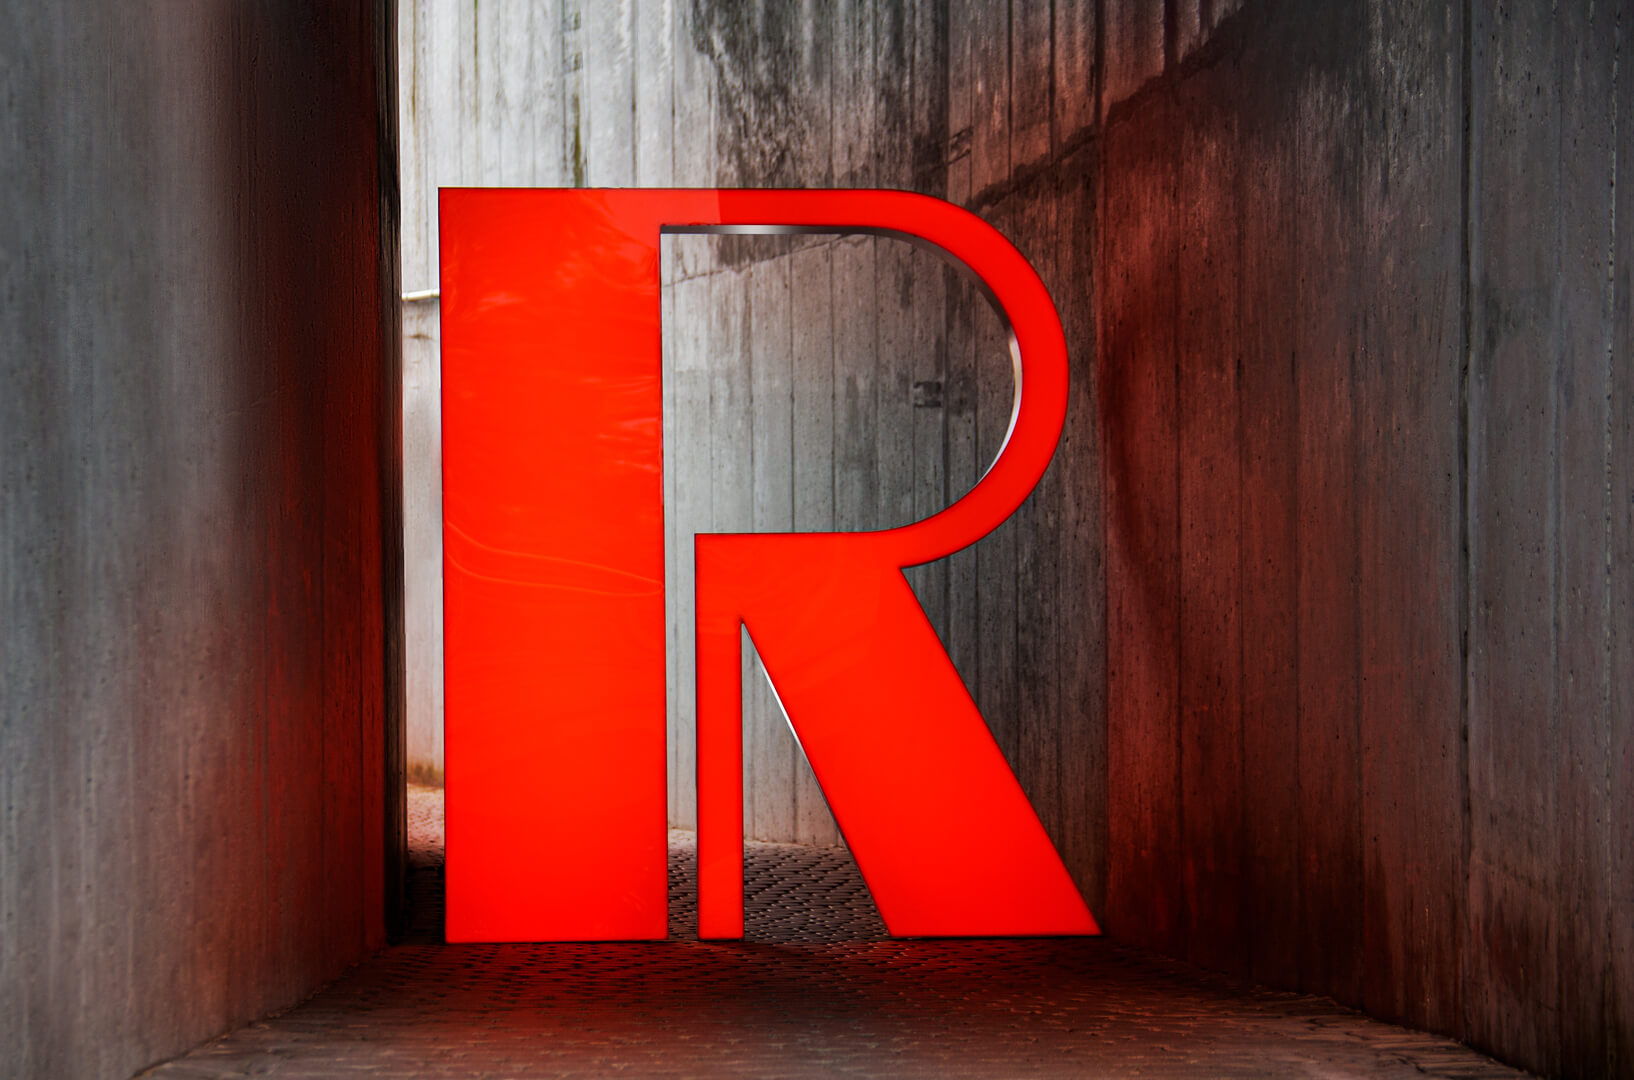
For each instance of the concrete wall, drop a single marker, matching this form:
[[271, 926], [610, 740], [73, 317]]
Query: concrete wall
[[1366, 389], [811, 384], [1346, 706], [198, 555]]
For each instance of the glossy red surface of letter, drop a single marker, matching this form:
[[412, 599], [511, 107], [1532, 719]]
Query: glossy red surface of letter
[[553, 568], [555, 666]]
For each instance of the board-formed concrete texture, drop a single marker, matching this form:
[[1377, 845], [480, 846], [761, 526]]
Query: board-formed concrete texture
[[1313, 647], [1365, 385], [198, 524]]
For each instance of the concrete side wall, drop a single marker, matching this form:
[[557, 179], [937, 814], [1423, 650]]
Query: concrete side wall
[[1366, 390], [197, 519]]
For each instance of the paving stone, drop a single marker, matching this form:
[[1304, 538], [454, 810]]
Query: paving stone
[[816, 989]]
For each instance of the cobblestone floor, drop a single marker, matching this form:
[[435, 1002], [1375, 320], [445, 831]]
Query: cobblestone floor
[[817, 990]]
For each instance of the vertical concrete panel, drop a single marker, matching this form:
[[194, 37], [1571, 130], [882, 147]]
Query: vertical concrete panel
[[856, 475], [911, 309], [1080, 741], [422, 531], [654, 93], [997, 689], [521, 93], [770, 749], [413, 181], [1210, 539], [979, 380], [450, 116], [495, 57], [1032, 85], [1266, 177], [1407, 496], [1132, 34], [1039, 597], [926, 107], [1514, 721], [928, 98], [1618, 769], [967, 308], [894, 81], [390, 796], [1137, 383], [961, 99], [380, 609], [166, 493], [769, 66], [927, 281], [1073, 75], [852, 89], [608, 117], [693, 112], [895, 266], [574, 134], [1325, 344], [1619, 783], [812, 137], [964, 306], [1186, 27], [1588, 75], [342, 569], [441, 112], [295, 719], [989, 75]]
